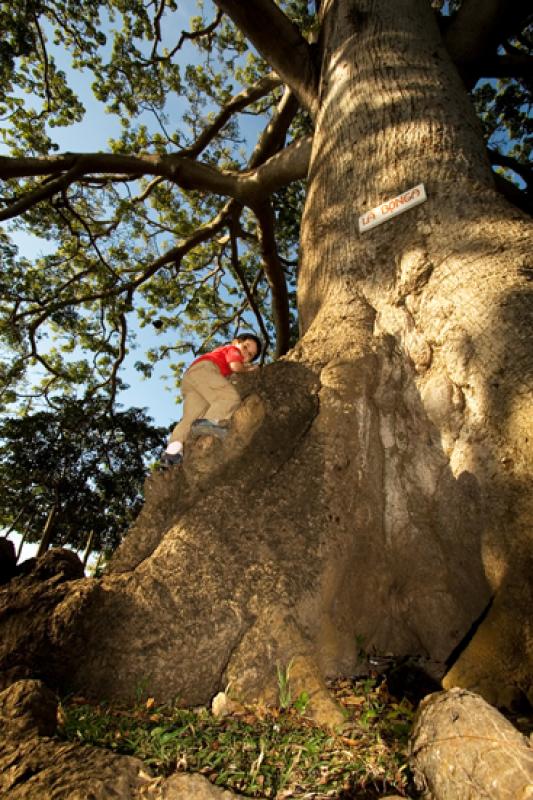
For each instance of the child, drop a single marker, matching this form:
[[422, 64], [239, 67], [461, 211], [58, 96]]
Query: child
[[209, 399]]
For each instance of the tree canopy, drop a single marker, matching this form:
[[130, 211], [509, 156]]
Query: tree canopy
[[184, 223], [75, 470]]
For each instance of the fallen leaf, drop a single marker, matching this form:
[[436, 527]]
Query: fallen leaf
[[348, 741], [352, 701]]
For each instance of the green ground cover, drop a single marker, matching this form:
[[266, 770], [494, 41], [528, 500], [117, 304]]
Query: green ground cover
[[264, 752]]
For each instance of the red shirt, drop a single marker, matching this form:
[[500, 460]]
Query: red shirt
[[222, 357]]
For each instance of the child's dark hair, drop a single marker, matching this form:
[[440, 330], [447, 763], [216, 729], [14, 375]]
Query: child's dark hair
[[242, 337]]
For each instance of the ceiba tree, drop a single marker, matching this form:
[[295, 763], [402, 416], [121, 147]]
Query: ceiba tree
[[387, 457]]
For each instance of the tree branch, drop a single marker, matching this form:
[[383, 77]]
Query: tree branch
[[172, 256], [237, 103], [519, 198], [272, 139], [140, 198], [269, 143], [289, 165], [193, 35], [476, 30], [122, 352], [46, 189], [250, 187], [524, 170], [92, 238], [275, 276], [157, 26], [234, 232], [509, 66], [98, 163], [280, 43], [175, 254], [45, 61]]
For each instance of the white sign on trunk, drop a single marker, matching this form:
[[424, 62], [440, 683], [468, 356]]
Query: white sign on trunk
[[391, 208]]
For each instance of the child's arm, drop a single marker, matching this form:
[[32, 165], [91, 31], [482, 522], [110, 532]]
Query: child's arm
[[240, 366]]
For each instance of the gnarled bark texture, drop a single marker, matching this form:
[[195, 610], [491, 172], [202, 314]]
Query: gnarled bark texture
[[36, 766], [440, 296], [374, 484]]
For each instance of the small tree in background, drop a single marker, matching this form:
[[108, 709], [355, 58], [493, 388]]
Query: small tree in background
[[74, 475]]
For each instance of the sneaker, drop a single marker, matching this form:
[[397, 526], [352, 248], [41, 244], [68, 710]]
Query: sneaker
[[205, 426], [170, 460]]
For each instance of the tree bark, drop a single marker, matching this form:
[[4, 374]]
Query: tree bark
[[88, 549], [21, 543], [48, 530], [463, 749], [438, 296]]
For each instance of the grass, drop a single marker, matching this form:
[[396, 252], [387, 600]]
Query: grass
[[262, 752]]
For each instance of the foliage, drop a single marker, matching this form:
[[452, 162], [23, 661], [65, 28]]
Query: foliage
[[82, 462], [136, 250], [263, 752], [504, 107]]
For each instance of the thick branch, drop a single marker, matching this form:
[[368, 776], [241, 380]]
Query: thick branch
[[519, 198], [87, 163], [248, 187], [510, 66], [280, 43], [289, 165], [477, 29], [270, 142], [272, 139], [46, 189], [275, 277]]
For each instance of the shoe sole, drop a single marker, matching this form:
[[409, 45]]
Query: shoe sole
[[166, 464], [220, 433]]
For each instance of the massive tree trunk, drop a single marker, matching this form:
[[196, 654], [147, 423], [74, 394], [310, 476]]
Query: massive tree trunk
[[441, 297], [373, 485]]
